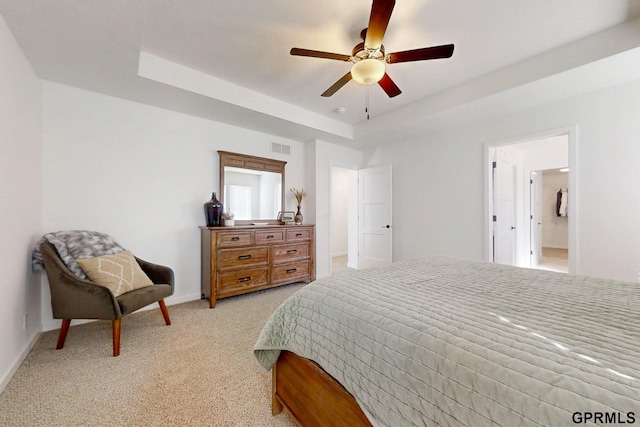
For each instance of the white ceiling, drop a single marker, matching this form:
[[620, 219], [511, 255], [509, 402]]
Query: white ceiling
[[229, 60]]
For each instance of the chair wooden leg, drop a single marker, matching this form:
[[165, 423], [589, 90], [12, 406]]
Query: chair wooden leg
[[165, 313], [116, 337], [63, 333]]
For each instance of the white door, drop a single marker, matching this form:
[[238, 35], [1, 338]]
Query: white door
[[374, 216], [504, 231], [535, 219]]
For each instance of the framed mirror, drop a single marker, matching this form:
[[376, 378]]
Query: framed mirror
[[251, 187]]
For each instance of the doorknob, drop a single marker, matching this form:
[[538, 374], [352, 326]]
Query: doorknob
[[386, 226], [512, 227]]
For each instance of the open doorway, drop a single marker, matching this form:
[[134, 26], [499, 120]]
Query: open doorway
[[524, 228], [361, 218], [344, 217], [550, 219]]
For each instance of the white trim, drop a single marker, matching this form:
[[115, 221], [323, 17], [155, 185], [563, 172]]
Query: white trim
[[15, 365]]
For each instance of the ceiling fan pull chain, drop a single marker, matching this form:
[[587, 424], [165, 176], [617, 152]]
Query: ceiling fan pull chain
[[366, 105]]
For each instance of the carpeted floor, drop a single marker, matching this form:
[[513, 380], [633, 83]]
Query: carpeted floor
[[554, 259], [199, 371]]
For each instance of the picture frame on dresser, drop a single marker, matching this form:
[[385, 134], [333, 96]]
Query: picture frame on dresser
[[286, 217]]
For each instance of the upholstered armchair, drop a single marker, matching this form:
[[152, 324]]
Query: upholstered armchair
[[75, 298]]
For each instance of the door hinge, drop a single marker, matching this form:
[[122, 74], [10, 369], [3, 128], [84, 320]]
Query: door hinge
[[494, 164], [495, 218], [530, 216], [531, 252], [530, 181]]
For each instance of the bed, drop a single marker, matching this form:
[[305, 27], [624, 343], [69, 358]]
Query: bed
[[445, 341]]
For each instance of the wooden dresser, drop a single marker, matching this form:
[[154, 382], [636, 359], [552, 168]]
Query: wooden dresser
[[241, 259]]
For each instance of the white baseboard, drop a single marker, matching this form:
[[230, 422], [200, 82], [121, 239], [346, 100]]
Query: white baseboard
[[182, 299], [14, 367]]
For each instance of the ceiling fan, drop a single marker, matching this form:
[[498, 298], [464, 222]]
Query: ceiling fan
[[369, 56]]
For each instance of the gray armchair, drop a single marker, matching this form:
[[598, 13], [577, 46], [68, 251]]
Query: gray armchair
[[76, 298]]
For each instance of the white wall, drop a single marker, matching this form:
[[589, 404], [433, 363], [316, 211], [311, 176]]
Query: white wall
[[140, 174], [20, 202], [339, 211], [439, 181], [546, 153]]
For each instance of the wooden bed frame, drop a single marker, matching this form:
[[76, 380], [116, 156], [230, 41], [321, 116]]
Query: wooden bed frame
[[312, 396]]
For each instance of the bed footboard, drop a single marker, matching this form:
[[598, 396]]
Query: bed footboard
[[311, 396]]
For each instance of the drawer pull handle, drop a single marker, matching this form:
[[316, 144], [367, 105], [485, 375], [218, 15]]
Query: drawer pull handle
[[235, 239], [244, 279], [292, 270], [298, 234], [244, 257], [270, 236], [292, 251]]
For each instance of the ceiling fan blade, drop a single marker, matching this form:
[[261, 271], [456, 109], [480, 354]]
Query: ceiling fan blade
[[337, 85], [389, 86], [378, 21], [435, 52], [319, 54]]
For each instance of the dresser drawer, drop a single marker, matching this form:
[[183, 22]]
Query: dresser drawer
[[298, 234], [266, 236], [242, 257], [283, 253], [290, 272], [231, 281], [234, 239]]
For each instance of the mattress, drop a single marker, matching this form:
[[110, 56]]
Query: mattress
[[444, 341]]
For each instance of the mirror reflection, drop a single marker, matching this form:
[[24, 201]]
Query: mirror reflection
[[252, 194]]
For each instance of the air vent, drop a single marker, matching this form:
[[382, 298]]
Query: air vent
[[280, 148]]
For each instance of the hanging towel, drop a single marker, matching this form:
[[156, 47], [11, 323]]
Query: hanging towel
[[562, 202]]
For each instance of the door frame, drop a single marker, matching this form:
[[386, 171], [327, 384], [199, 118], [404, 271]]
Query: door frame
[[490, 147], [535, 229], [352, 215], [504, 179]]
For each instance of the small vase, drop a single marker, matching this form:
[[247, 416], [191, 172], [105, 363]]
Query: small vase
[[229, 222], [213, 211], [298, 218]]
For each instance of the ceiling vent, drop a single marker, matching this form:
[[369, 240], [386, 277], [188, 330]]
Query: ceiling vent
[[280, 148]]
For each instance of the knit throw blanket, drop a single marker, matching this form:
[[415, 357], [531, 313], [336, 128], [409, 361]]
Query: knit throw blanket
[[75, 244]]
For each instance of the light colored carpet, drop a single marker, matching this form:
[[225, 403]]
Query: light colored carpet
[[554, 259], [198, 371], [339, 264]]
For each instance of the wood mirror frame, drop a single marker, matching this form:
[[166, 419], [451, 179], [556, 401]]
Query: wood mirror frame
[[245, 161]]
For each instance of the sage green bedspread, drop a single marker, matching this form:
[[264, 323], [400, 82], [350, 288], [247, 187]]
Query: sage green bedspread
[[443, 341]]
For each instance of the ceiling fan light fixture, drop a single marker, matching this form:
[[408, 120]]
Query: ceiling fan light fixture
[[368, 71]]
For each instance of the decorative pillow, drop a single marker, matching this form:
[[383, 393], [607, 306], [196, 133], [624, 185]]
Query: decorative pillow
[[119, 272]]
